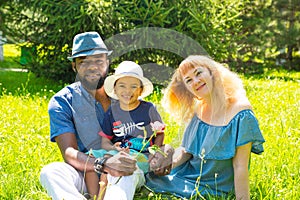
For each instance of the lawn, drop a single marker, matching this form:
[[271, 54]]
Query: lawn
[[12, 54], [25, 145]]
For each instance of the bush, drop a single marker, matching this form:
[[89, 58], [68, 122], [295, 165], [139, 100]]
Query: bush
[[48, 27]]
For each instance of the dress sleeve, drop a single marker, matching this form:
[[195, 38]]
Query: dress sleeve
[[248, 131]]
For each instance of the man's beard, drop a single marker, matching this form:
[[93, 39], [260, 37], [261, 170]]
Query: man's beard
[[91, 85]]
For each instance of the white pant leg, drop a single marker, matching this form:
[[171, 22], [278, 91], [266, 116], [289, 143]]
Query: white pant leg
[[62, 181], [125, 188]]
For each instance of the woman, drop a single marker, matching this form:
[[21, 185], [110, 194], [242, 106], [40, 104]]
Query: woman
[[222, 131]]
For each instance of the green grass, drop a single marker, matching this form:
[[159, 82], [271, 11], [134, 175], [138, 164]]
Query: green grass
[[11, 57], [26, 84], [25, 145], [276, 173]]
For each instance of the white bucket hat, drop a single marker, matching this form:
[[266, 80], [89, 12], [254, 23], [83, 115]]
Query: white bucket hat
[[127, 68]]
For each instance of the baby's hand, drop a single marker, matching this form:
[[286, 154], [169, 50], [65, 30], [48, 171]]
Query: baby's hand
[[118, 147], [158, 126]]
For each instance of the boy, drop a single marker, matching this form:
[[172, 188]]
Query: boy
[[130, 124]]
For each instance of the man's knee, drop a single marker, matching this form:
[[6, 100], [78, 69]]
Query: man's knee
[[47, 171], [51, 170]]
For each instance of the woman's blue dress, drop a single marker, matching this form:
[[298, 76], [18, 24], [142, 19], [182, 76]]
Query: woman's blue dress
[[213, 148]]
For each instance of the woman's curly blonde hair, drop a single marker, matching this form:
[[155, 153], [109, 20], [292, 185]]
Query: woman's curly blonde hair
[[180, 102]]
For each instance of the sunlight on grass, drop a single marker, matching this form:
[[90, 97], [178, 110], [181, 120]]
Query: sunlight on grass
[[277, 107], [12, 55], [11, 50], [25, 144]]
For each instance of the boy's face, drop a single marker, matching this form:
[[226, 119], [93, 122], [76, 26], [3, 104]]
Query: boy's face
[[128, 89]]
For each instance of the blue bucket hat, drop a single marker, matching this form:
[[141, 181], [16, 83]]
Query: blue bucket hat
[[87, 44]]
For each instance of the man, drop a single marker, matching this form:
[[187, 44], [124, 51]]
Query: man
[[76, 113]]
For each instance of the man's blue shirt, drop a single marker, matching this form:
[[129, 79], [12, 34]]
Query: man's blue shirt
[[74, 110]]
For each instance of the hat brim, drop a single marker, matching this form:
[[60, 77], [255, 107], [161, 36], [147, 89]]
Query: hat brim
[[89, 53], [109, 85]]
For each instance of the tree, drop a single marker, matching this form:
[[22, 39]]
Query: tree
[[287, 36], [47, 28], [274, 30]]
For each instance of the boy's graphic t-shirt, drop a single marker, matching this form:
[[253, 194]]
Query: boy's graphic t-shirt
[[130, 127]]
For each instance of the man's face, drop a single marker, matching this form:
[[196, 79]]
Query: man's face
[[92, 70]]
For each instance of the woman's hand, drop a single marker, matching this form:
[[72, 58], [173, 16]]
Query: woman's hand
[[161, 162]]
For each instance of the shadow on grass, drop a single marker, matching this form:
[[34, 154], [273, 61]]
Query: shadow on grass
[[24, 83], [11, 62]]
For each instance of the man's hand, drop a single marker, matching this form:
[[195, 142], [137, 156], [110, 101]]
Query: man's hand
[[121, 164], [161, 164]]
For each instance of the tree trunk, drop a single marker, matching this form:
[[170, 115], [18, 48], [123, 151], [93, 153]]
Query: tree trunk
[[290, 29], [1, 47]]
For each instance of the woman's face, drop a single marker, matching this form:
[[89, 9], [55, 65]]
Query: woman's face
[[198, 81]]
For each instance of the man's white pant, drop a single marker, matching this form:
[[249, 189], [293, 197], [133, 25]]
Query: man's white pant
[[63, 182]]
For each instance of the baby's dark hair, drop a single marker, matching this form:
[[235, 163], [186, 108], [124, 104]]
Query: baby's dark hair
[[142, 86]]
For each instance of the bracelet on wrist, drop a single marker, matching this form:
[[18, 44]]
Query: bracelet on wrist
[[99, 165]]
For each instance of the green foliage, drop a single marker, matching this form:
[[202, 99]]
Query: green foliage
[[287, 22], [272, 29], [47, 29], [217, 26], [233, 31], [131, 15]]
